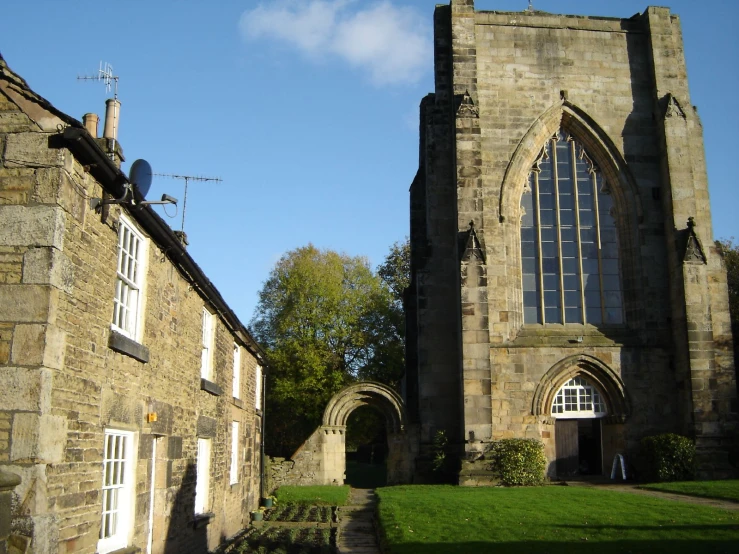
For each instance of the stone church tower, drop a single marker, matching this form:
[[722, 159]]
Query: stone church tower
[[565, 284]]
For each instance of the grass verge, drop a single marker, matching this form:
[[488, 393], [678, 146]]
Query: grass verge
[[723, 490], [327, 495], [449, 520]]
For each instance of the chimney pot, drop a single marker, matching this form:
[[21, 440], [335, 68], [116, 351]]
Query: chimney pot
[[112, 112], [90, 121]]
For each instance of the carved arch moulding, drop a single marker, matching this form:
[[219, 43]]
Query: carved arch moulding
[[593, 370], [566, 116], [381, 397]]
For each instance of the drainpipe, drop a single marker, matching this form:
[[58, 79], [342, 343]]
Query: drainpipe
[[262, 492]]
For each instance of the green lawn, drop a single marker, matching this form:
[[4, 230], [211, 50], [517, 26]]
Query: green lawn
[[313, 496], [552, 519], [724, 490]]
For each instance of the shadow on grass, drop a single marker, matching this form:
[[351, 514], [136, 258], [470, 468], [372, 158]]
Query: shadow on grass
[[582, 547], [659, 528]]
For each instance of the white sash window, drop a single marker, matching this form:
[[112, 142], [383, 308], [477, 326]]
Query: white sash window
[[117, 497], [129, 280]]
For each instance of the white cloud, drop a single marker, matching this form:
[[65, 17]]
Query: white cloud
[[391, 43]]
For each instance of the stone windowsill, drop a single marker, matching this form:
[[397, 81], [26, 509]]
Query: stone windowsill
[[121, 343], [201, 520], [211, 387], [238, 403], [127, 550], [573, 335]]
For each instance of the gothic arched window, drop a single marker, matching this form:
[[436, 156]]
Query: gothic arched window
[[578, 398], [569, 245]]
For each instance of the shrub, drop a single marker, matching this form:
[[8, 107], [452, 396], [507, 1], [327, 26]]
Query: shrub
[[441, 444], [443, 465], [669, 457], [518, 461]]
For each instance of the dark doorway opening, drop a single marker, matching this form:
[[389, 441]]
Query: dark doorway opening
[[578, 446], [366, 449]]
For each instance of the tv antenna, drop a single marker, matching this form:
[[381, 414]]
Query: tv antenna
[[105, 74], [187, 179]]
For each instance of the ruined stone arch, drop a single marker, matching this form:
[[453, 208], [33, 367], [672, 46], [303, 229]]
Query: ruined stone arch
[[593, 370], [368, 393]]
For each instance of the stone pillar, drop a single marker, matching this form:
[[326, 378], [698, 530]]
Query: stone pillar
[[476, 378], [709, 392], [8, 482], [333, 457]]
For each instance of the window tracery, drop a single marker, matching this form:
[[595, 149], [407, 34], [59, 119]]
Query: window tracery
[[569, 244]]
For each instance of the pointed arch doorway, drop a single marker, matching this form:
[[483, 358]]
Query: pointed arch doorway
[[578, 409], [586, 402]]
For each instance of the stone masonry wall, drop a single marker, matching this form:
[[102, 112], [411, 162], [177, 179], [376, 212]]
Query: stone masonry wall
[[505, 83], [62, 385]]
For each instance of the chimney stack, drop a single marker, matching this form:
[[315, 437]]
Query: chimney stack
[[90, 121], [112, 109]]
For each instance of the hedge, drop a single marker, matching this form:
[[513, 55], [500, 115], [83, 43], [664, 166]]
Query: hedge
[[669, 457]]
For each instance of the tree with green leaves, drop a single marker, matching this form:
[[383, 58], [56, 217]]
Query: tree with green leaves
[[395, 271], [730, 253], [326, 320]]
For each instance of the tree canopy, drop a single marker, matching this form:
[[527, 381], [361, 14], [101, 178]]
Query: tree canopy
[[326, 320], [730, 252]]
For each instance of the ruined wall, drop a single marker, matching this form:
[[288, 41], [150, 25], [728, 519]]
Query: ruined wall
[[62, 384]]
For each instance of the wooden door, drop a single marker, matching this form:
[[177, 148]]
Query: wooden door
[[566, 441]]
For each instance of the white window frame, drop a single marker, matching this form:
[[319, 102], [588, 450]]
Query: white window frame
[[206, 357], [258, 389], [202, 477], [237, 371], [578, 399], [234, 474], [116, 522], [128, 298]]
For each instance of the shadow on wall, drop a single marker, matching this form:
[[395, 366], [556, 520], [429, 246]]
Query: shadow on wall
[[185, 535]]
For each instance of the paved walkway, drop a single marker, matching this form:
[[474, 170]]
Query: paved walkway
[[620, 486], [357, 533]]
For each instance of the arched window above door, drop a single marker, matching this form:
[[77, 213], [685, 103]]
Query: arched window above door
[[578, 399], [569, 243]]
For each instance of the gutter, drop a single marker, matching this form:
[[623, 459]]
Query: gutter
[[113, 181]]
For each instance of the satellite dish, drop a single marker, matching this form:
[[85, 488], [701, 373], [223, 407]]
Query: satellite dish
[[140, 175]]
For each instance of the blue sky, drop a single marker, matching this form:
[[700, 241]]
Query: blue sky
[[307, 110]]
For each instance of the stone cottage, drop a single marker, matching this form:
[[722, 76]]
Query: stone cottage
[[565, 284], [130, 393]]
